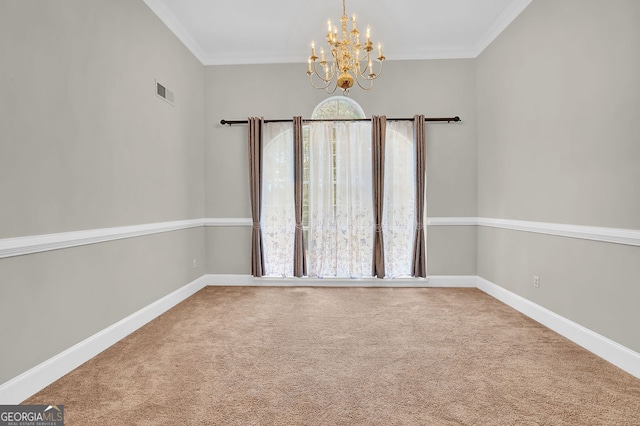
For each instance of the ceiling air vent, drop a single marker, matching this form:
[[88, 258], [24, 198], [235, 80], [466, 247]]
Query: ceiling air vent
[[164, 93]]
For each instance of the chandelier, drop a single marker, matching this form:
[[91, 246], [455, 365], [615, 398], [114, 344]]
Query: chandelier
[[350, 61]]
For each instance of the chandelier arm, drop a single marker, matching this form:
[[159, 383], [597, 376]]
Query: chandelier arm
[[335, 86], [326, 80], [317, 74], [365, 88], [328, 83], [380, 69], [366, 77], [367, 69], [332, 72]]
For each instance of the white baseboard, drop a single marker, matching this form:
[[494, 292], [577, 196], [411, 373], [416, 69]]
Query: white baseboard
[[229, 280], [620, 356], [431, 281], [28, 383], [464, 281]]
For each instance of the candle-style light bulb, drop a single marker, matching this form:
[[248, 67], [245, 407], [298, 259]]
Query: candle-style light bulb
[[379, 50], [329, 25], [354, 21], [368, 33], [322, 53], [313, 48], [309, 66]]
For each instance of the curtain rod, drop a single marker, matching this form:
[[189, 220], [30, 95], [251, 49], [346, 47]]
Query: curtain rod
[[308, 120]]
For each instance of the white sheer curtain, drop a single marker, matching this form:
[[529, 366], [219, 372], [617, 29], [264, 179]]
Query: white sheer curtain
[[341, 224], [340, 200], [322, 224], [398, 217], [278, 209]]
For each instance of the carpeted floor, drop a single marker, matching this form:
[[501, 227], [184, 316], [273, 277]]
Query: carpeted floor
[[345, 356]]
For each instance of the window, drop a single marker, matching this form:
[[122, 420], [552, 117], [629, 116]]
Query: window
[[340, 206], [337, 194], [337, 107]]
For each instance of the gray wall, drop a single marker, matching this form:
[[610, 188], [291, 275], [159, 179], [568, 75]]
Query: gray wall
[[558, 141], [549, 133], [434, 88], [85, 144]]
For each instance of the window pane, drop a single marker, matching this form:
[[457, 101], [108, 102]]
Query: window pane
[[338, 107]]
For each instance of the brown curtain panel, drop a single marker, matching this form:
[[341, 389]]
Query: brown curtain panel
[[299, 258], [255, 186], [419, 262], [378, 132]]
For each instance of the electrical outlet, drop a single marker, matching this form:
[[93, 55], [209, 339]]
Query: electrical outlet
[[194, 264], [536, 281]]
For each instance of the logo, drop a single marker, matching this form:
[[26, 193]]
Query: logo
[[31, 415]]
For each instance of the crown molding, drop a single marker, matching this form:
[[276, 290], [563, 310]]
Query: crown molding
[[257, 58], [500, 24], [254, 58], [169, 19]]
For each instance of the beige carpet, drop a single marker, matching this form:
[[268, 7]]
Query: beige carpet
[[345, 356]]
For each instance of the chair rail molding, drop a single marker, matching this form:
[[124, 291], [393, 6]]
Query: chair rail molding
[[228, 221], [38, 243], [609, 235], [18, 246]]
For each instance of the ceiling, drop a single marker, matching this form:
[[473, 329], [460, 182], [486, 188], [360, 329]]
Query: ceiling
[[281, 31]]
